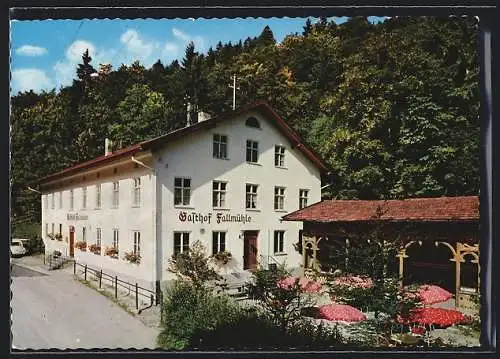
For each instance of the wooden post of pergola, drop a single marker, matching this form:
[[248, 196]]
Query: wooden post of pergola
[[402, 255], [458, 254]]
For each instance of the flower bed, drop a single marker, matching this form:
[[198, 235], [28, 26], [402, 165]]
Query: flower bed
[[353, 281], [306, 284]]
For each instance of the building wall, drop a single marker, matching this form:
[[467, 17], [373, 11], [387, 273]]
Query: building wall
[[126, 218], [193, 158]]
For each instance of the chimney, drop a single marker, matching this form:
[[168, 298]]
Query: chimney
[[107, 147], [189, 113]]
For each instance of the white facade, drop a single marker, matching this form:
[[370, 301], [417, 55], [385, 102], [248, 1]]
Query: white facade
[[177, 200]]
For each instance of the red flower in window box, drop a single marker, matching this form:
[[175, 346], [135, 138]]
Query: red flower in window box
[[132, 257], [95, 248], [81, 246]]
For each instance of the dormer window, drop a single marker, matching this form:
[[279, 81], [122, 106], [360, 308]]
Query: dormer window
[[252, 122]]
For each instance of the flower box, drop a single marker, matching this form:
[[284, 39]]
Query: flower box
[[81, 246], [132, 257], [111, 252], [95, 248], [223, 257]]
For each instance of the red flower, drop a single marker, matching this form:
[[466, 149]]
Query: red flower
[[418, 330]]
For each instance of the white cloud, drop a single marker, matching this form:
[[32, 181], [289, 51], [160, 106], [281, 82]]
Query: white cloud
[[133, 46], [30, 50], [138, 47], [65, 69], [76, 49], [170, 51], [30, 79], [197, 40]]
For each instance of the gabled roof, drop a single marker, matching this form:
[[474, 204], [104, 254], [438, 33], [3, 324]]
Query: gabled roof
[[419, 209], [152, 144]]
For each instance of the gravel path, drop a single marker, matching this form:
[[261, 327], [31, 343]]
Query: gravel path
[[55, 311]]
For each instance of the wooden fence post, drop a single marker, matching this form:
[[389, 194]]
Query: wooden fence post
[[74, 267], [85, 272], [100, 279], [116, 286]]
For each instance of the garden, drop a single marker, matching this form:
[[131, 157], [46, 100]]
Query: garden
[[322, 311]]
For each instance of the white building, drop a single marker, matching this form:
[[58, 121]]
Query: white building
[[224, 181]]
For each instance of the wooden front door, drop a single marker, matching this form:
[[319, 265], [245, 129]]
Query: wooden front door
[[250, 249], [71, 242]]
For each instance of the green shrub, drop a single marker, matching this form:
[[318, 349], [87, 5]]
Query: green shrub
[[192, 265], [201, 319], [189, 310]]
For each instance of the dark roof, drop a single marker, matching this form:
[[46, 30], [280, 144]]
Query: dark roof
[[261, 107], [418, 209]]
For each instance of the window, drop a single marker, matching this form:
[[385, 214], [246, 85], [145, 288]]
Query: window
[[137, 243], [220, 146], [251, 196], [46, 201], [137, 192], [84, 197], [278, 241], [60, 229], [218, 242], [279, 198], [252, 151], [116, 194], [115, 239], [182, 191], [219, 194], [98, 195], [303, 194], [279, 156], [181, 242], [252, 122], [52, 201], [98, 236], [61, 200], [84, 234], [71, 200], [53, 228]]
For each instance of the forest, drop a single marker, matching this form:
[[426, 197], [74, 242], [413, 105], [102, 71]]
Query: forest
[[392, 107]]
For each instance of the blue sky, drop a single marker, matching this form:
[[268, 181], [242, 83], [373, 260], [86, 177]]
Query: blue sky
[[44, 53]]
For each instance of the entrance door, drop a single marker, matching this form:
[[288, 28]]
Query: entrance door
[[250, 249], [71, 242]]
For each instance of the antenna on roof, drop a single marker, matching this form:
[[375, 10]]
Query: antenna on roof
[[233, 86]]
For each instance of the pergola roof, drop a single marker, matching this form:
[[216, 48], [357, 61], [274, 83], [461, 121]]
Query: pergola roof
[[464, 208]]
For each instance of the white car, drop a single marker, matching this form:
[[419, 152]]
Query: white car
[[17, 248]]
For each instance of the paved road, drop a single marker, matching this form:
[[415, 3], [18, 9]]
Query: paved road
[[55, 311]]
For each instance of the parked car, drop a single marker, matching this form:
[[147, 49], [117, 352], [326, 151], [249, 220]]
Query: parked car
[[17, 248]]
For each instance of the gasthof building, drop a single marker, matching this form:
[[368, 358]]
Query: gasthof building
[[225, 182]]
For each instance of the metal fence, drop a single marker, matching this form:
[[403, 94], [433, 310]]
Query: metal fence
[[85, 270]]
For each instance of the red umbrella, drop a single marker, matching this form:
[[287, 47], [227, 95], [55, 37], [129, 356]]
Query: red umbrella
[[340, 312], [437, 316], [431, 294]]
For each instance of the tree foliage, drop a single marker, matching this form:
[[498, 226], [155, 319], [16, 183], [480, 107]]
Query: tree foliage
[[393, 107]]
